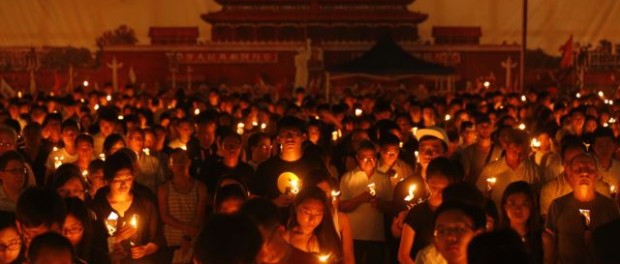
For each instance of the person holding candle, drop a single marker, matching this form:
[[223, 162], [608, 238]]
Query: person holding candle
[[389, 162], [474, 157], [184, 130], [182, 203], [417, 228], [311, 227], [292, 159], [366, 211], [567, 227], [560, 186], [143, 241], [68, 153], [545, 156], [514, 166], [520, 213]]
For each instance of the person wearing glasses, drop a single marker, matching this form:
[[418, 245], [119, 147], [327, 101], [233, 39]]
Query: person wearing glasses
[[137, 230], [79, 228], [455, 225], [10, 241], [68, 181], [13, 178], [366, 194], [38, 211]]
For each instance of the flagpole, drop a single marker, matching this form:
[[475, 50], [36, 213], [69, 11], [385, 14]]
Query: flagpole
[[523, 47]]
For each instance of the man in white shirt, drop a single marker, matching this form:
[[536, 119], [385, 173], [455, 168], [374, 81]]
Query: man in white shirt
[[365, 195]]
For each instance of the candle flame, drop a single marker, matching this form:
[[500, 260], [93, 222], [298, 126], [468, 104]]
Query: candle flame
[[294, 184], [371, 189], [612, 189], [108, 98], [601, 94], [85, 173], [578, 95], [196, 111], [263, 126], [491, 180], [120, 117], [410, 196], [146, 151], [358, 112], [134, 221], [535, 143], [184, 147], [447, 117], [334, 135], [414, 130], [522, 126], [102, 156], [324, 258], [335, 193], [523, 98]]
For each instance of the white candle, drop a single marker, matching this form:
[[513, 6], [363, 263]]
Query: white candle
[[294, 186], [371, 189], [334, 135], [240, 128], [491, 183]]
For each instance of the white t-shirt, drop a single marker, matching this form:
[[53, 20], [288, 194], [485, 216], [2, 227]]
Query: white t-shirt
[[366, 220]]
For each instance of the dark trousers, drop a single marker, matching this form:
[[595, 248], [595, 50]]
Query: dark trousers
[[369, 252]]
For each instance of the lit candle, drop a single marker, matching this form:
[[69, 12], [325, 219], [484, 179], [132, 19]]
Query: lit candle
[[85, 83], [58, 161], [522, 126], [400, 144], [613, 191], [324, 258], [410, 195], [491, 183], [184, 147], [417, 156], [108, 98], [487, 84], [611, 102], [120, 117], [586, 215], [447, 117], [19, 94], [240, 128], [111, 223], [578, 95], [523, 98], [146, 151], [254, 123], [96, 107], [414, 130], [263, 126], [601, 94], [535, 143], [371, 189], [82, 100], [358, 112], [102, 156], [134, 222], [196, 111], [334, 136], [85, 174], [294, 186], [335, 195]]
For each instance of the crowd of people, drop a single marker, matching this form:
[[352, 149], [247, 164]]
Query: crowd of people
[[130, 176]]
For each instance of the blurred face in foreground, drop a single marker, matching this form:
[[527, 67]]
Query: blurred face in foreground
[[453, 231]]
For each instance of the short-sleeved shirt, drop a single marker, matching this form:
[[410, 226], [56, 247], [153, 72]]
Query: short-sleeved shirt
[[559, 187], [612, 175], [568, 225], [265, 180], [421, 219], [366, 221], [527, 171]]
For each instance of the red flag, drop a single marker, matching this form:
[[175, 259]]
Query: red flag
[[567, 54]]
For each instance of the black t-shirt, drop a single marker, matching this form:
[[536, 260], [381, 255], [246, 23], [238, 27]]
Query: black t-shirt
[[214, 173], [421, 219], [264, 182], [300, 257]]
